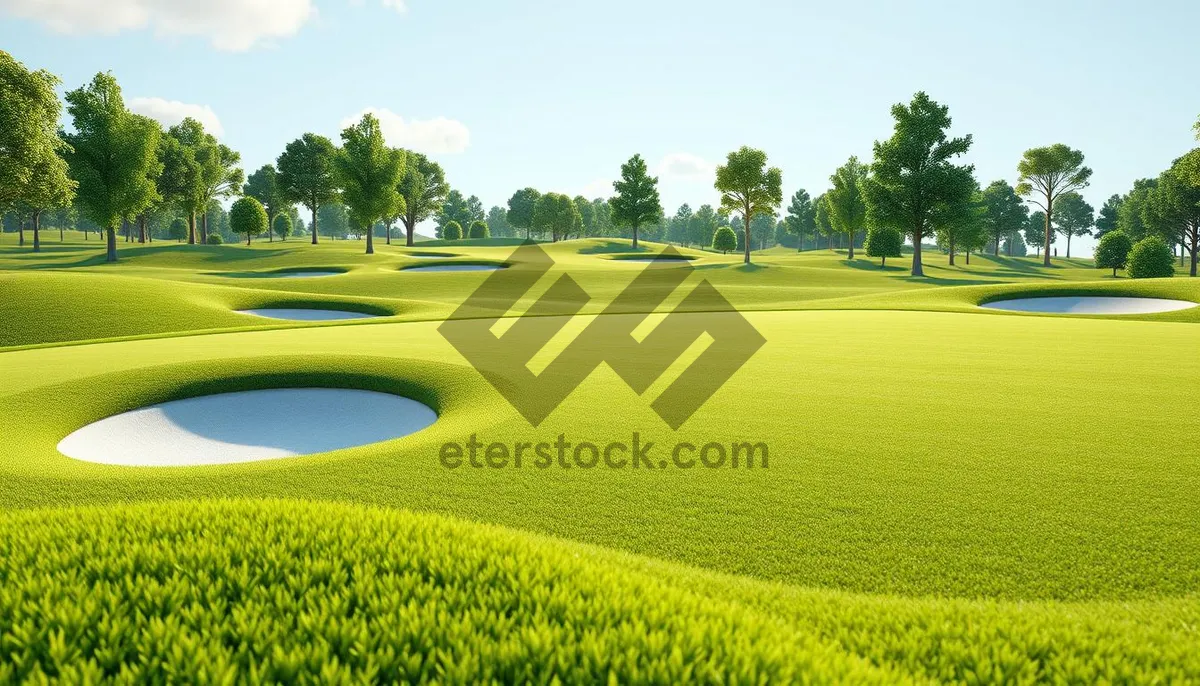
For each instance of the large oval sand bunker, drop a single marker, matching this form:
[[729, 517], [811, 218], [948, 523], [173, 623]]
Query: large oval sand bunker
[[1090, 304], [246, 426], [304, 314]]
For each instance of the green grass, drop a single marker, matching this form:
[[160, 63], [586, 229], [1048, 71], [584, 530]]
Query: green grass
[[953, 494]]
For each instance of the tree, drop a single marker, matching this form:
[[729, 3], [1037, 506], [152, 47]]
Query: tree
[[459, 209], [636, 201], [263, 185], [1034, 229], [248, 216], [677, 226], [1172, 207], [32, 169], [1107, 219], [520, 209], [914, 178], [334, 220], [1151, 258], [424, 189], [282, 226], [749, 187], [180, 181], [801, 219], [883, 242], [178, 229], [219, 174], [497, 221], [1132, 208], [556, 214], [306, 174], [725, 240], [587, 214], [848, 207], [821, 219], [368, 172], [1014, 246], [1049, 173], [1073, 217], [111, 154], [451, 231], [1113, 251], [479, 229], [959, 225], [1004, 215]]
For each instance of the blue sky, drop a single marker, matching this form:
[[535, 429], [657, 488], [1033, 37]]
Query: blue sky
[[556, 95]]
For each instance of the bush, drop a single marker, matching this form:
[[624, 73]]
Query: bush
[[247, 216], [724, 240], [479, 229], [883, 243], [214, 239], [452, 231], [1113, 251], [1151, 258]]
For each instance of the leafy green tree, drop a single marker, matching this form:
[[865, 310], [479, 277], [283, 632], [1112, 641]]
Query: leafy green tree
[[1132, 209], [822, 220], [1151, 258], [334, 220], [178, 229], [848, 207], [602, 216], [1014, 246], [1073, 216], [702, 226], [1107, 219], [479, 229], [368, 172], [677, 226], [306, 174], [452, 231], [221, 176], [248, 217], [497, 221], [282, 226], [1172, 207], [762, 229], [914, 179], [424, 189], [1004, 213], [1034, 230], [587, 214], [883, 242], [724, 240], [801, 219], [959, 225], [556, 214], [49, 188], [636, 200], [1113, 251], [1048, 173], [459, 209], [180, 181], [749, 187], [520, 209], [111, 155], [263, 185]]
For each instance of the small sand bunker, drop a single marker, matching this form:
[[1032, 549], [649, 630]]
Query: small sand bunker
[[1090, 304], [427, 255], [246, 426], [455, 268], [651, 259], [306, 315], [304, 274]]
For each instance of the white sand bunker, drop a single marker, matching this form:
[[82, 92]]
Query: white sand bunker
[[306, 315], [651, 259], [246, 426], [1090, 304], [455, 268], [305, 274], [428, 255]]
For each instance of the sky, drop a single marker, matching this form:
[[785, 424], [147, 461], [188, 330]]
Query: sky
[[556, 94]]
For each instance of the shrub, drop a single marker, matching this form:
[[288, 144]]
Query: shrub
[[248, 216], [479, 229], [214, 239], [724, 240], [1113, 251], [883, 243], [1151, 258], [452, 231]]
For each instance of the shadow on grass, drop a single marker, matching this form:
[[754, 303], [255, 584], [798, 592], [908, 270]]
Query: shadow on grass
[[604, 247]]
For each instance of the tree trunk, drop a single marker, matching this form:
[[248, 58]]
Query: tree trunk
[[951, 251], [968, 258], [997, 249], [746, 222], [371, 240], [37, 226], [204, 227], [1068, 246], [1010, 242], [917, 268], [635, 237], [409, 229], [61, 236], [883, 262], [111, 255], [850, 236], [388, 228], [1195, 245], [192, 228], [270, 227], [1049, 213], [21, 233], [142, 228], [314, 223]]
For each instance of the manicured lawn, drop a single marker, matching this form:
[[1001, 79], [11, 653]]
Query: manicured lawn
[[952, 493]]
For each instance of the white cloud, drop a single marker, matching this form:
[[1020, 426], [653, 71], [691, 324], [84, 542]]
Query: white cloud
[[171, 112], [430, 136], [397, 5], [682, 165], [233, 25], [600, 188]]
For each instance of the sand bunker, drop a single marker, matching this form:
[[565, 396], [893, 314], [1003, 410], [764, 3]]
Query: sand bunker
[[651, 259], [306, 274], [246, 426], [455, 268], [430, 254], [1090, 304], [306, 315]]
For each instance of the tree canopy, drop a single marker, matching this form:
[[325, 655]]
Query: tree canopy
[[1005, 215], [423, 188], [847, 205], [263, 185], [248, 216], [1073, 216], [556, 214], [368, 171], [1047, 173], [636, 201], [749, 187], [801, 219], [1113, 251], [306, 174]]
